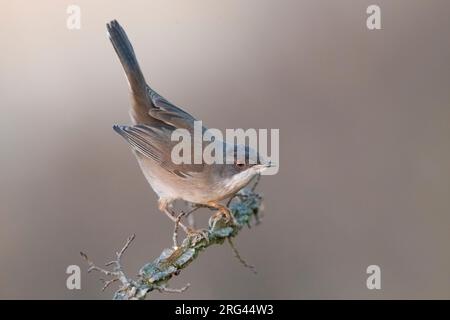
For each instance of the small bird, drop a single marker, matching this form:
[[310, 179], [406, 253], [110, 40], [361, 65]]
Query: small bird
[[154, 119]]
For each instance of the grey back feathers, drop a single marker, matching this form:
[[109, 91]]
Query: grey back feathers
[[154, 117], [148, 106]]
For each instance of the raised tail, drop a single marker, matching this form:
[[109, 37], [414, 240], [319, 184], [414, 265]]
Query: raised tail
[[127, 57]]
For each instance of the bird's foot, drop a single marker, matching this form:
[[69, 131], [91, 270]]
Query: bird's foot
[[179, 224], [197, 235], [223, 214], [228, 216]]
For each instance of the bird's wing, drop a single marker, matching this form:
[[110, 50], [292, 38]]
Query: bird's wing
[[151, 144], [141, 101], [148, 106], [167, 112]]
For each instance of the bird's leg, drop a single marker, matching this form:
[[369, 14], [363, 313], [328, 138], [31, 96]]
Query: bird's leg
[[191, 221], [192, 233], [194, 207], [175, 232], [190, 218], [164, 206], [223, 212], [195, 234]]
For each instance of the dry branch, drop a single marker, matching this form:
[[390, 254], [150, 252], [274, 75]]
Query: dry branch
[[245, 207]]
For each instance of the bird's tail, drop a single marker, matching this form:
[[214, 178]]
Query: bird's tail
[[127, 57]]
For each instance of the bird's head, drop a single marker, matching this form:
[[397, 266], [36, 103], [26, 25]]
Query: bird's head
[[242, 163]]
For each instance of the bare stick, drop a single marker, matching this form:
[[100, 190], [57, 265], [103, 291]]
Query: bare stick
[[117, 273], [156, 274], [173, 290], [107, 283], [238, 256], [257, 178]]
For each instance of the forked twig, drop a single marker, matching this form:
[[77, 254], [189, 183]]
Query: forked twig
[[155, 275], [241, 260], [117, 272], [172, 290]]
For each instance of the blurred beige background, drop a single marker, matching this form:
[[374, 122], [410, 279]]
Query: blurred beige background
[[364, 119]]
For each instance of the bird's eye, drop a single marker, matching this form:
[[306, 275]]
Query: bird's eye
[[240, 164]]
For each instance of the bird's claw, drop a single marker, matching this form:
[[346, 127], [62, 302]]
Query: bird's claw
[[222, 216], [226, 215], [197, 235]]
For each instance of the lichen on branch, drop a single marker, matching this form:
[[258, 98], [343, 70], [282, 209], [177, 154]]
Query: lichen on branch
[[245, 208]]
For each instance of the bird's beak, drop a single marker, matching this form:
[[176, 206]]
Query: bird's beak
[[263, 166]]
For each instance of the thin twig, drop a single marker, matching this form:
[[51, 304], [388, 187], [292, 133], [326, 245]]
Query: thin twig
[[173, 290], [155, 275], [125, 247], [238, 256], [107, 283], [117, 273], [257, 178], [175, 232]]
